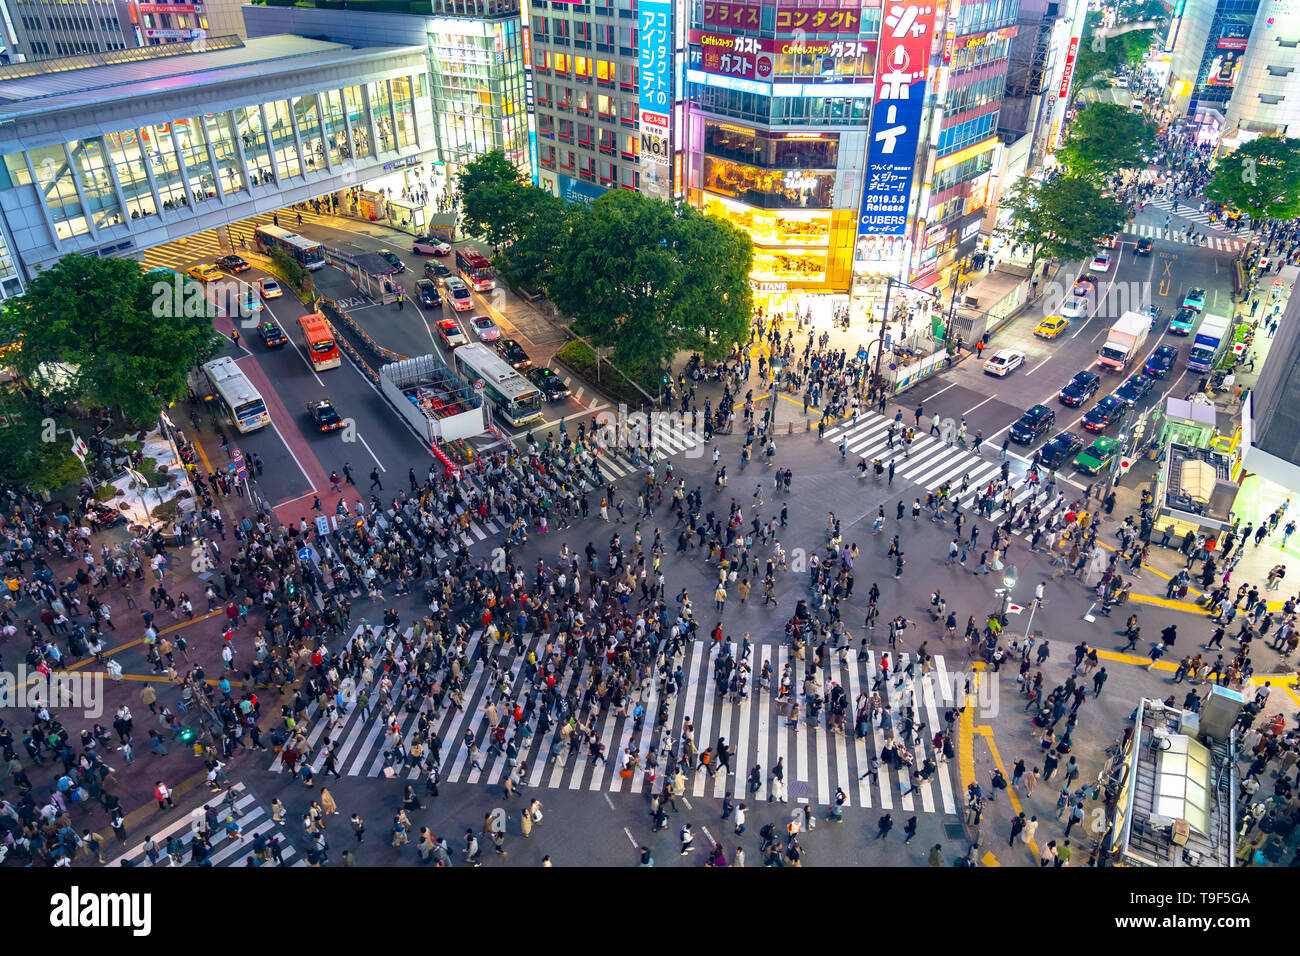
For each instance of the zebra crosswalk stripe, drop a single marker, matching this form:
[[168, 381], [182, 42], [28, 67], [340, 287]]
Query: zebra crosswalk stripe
[[815, 757]]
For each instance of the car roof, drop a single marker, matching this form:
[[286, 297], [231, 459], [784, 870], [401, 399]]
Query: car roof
[[448, 324], [1085, 376], [1037, 410], [481, 318]]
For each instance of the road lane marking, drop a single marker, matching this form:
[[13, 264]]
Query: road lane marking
[[985, 402], [1038, 366]]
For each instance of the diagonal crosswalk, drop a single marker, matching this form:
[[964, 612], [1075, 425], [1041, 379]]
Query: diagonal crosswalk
[[253, 818], [817, 759]]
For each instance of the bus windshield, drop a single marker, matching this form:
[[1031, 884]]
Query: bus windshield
[[250, 409], [324, 347]]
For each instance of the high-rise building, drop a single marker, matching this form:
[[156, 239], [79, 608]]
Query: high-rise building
[[475, 66], [44, 29], [605, 95], [852, 140], [1039, 73], [1266, 99], [1207, 40]]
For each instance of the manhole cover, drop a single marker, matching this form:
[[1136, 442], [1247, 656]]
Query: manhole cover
[[954, 831], [799, 789]]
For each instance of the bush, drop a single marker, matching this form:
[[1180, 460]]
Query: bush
[[285, 267], [105, 492], [579, 356], [167, 510]]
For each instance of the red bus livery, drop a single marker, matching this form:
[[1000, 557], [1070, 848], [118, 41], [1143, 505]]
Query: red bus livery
[[321, 347], [475, 269]]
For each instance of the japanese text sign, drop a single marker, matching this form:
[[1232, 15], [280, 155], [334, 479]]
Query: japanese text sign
[[904, 58]]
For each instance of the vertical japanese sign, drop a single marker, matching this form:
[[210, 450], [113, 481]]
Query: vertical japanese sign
[[905, 38], [655, 94], [1068, 75]]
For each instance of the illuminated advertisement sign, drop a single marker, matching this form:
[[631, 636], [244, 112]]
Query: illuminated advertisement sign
[[1174, 24], [1227, 57], [727, 55], [528, 97], [1068, 76], [843, 18], [978, 195], [739, 15], [655, 71], [905, 37], [156, 8]]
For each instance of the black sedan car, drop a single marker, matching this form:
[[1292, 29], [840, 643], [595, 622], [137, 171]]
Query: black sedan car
[[1161, 361], [551, 385], [1137, 386], [514, 353], [393, 259], [1080, 388], [1060, 449], [272, 335], [1034, 422], [233, 263], [1104, 414], [1143, 247], [427, 290], [324, 415]]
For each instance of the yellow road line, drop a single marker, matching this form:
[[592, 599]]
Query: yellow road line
[[986, 731]]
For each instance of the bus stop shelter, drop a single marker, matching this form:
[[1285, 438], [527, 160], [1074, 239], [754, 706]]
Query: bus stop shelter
[[372, 275]]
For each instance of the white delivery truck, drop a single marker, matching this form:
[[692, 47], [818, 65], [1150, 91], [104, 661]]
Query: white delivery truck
[[1123, 341]]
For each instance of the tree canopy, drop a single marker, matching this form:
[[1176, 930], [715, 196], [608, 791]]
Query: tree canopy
[[97, 332], [1100, 54], [1260, 178], [32, 452], [648, 279], [1062, 219], [490, 189], [1104, 139]]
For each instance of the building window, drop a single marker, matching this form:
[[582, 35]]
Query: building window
[[124, 152], [218, 128], [56, 188]]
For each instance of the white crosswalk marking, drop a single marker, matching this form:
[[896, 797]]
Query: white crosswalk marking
[[1226, 243], [817, 760], [252, 818]]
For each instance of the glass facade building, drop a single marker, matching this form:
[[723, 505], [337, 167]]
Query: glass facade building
[[147, 167]]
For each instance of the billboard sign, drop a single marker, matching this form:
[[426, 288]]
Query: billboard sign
[[656, 58], [1067, 76], [905, 37], [750, 57]]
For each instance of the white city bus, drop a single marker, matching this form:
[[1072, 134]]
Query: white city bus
[[516, 399], [306, 252], [243, 402]]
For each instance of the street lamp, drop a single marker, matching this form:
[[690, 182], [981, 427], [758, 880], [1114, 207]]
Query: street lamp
[[1009, 578], [774, 367]]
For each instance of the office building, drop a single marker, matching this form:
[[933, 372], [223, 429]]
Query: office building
[[1266, 98], [45, 29], [1207, 41]]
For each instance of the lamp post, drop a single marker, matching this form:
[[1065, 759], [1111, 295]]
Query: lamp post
[[774, 368], [1009, 578]]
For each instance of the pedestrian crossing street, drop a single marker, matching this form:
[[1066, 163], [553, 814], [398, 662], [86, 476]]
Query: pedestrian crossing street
[[817, 760], [933, 462], [1193, 214], [1233, 244], [208, 246], [664, 442], [253, 819]]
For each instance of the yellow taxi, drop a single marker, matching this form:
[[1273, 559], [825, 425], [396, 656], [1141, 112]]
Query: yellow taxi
[[204, 272], [1051, 326]]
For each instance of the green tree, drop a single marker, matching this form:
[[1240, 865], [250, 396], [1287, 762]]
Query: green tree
[[649, 279], [1260, 178], [101, 333], [543, 228], [1106, 138], [712, 302], [1061, 219], [32, 453], [614, 273], [490, 188], [1100, 55]]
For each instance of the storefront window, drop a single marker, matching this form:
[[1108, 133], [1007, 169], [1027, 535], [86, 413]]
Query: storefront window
[[161, 148], [248, 124], [217, 127], [772, 150], [124, 151], [361, 145], [192, 142], [769, 189], [54, 181], [791, 266], [403, 106], [96, 184], [286, 152], [773, 228], [305, 115]]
